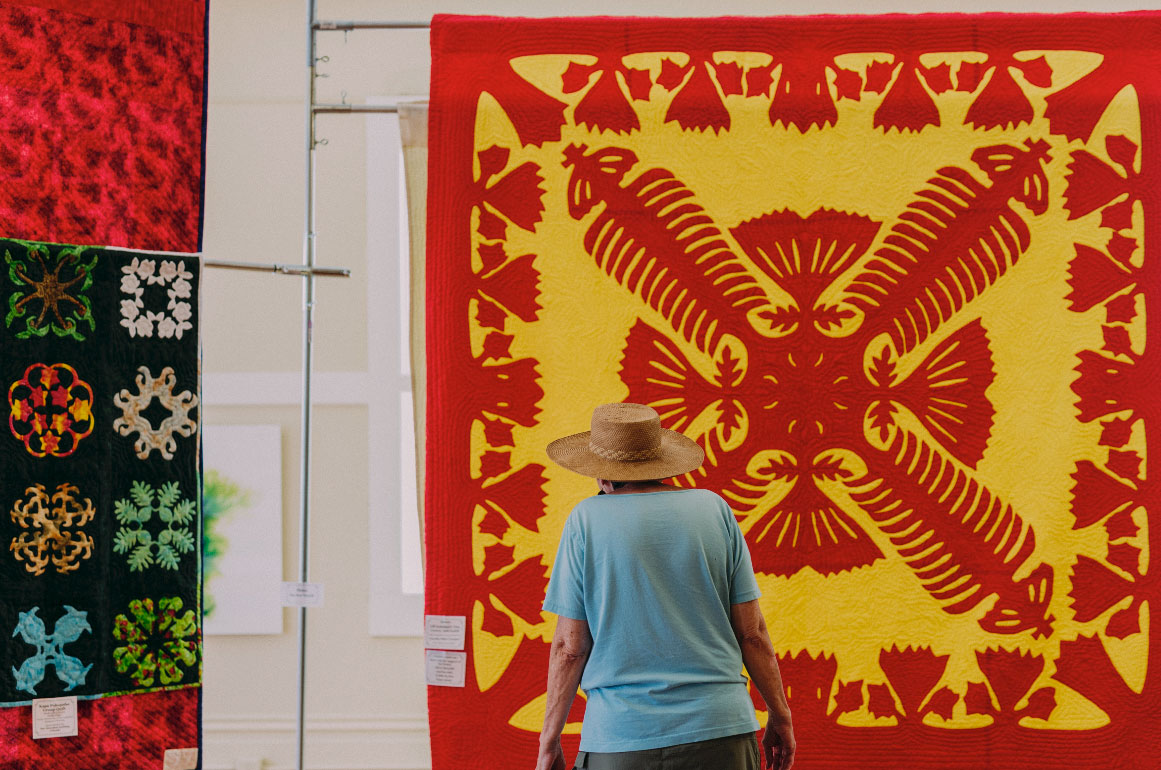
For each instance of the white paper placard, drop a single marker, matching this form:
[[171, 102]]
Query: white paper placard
[[54, 718], [445, 668], [181, 759], [302, 594], [444, 632]]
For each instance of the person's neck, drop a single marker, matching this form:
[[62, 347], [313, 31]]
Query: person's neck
[[636, 487]]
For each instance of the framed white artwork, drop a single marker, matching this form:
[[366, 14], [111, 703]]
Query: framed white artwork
[[242, 541]]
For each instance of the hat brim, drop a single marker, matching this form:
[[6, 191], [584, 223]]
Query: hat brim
[[679, 454]]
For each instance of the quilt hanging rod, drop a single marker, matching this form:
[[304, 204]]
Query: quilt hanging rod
[[300, 270], [347, 26], [321, 109]]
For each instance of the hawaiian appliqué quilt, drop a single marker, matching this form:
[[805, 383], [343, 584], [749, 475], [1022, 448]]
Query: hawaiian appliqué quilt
[[100, 530], [898, 276], [102, 125]]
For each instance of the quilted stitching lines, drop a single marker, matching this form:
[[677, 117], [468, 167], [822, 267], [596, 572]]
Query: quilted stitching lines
[[178, 423], [174, 539], [47, 521], [50, 649]]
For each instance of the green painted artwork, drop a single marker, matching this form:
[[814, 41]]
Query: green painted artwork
[[221, 497]]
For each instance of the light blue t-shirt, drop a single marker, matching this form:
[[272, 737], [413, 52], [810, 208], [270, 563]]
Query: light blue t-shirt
[[654, 575]]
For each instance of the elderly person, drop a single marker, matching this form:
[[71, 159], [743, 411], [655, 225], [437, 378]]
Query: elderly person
[[658, 612]]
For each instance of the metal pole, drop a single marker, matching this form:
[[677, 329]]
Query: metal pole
[[295, 270], [356, 108], [307, 352], [347, 26], [308, 271]]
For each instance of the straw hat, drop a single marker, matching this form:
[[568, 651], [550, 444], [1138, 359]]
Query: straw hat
[[627, 443]]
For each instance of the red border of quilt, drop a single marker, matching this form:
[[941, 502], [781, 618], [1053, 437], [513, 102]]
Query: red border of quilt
[[129, 730]]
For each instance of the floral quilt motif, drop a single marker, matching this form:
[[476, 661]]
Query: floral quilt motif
[[133, 420], [50, 649], [51, 293], [173, 319], [175, 537], [159, 643], [791, 416], [51, 409], [48, 522]]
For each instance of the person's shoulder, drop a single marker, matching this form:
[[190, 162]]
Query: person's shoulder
[[586, 506], [706, 497], [579, 518], [709, 501], [703, 492]]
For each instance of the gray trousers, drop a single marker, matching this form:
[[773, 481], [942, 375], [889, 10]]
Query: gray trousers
[[735, 752]]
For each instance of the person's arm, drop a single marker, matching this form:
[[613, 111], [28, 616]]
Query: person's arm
[[571, 645], [778, 744]]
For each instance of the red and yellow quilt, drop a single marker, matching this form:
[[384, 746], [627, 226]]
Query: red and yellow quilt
[[897, 275]]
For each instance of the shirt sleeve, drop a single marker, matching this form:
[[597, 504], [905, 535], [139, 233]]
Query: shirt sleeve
[[565, 594], [743, 585]]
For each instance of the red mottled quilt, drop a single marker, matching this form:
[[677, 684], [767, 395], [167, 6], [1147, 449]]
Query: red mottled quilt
[[102, 114], [898, 276]]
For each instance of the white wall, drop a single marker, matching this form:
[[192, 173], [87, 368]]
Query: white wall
[[365, 695]]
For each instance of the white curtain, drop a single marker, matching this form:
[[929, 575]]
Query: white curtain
[[413, 132]]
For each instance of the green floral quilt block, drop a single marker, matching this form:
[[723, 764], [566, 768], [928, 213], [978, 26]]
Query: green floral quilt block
[[158, 644], [145, 544], [51, 290]]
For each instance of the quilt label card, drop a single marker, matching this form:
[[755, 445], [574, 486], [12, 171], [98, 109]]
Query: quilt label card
[[181, 759], [54, 718], [444, 668], [444, 632]]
